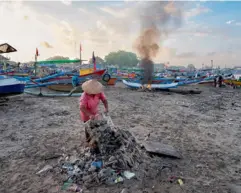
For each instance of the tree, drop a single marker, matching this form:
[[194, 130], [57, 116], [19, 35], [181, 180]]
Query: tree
[[58, 58], [121, 59], [98, 59], [191, 67]]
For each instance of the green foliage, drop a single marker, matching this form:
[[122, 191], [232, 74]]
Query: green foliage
[[58, 58], [191, 66], [98, 59], [121, 59]]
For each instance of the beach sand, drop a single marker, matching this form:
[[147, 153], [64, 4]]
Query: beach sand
[[205, 128]]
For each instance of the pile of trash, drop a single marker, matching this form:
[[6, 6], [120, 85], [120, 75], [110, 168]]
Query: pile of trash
[[111, 154]]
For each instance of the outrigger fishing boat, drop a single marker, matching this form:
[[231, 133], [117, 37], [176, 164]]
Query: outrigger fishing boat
[[136, 85], [9, 86]]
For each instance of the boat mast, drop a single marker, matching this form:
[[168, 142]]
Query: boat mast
[[80, 54]]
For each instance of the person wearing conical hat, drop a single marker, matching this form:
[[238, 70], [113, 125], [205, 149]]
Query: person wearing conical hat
[[89, 101]]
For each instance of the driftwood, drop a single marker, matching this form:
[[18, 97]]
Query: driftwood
[[161, 149]]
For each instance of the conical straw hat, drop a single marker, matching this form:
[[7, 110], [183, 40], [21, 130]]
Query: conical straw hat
[[92, 87]]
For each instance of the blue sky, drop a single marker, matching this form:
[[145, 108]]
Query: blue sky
[[208, 30]]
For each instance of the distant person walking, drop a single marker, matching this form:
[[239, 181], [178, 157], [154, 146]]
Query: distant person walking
[[215, 81], [220, 81]]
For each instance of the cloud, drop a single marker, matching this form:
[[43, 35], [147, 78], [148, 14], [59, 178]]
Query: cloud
[[115, 12], [83, 10], [186, 55], [196, 11], [66, 2], [233, 22], [211, 53], [201, 34], [230, 21], [104, 28], [46, 45]]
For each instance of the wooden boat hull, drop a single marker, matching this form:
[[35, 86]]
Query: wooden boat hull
[[53, 94], [206, 82], [9, 90], [232, 82], [154, 86], [63, 88], [68, 87], [67, 79], [112, 81]]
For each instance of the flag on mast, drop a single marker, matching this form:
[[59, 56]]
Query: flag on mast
[[37, 54], [94, 61], [80, 48]]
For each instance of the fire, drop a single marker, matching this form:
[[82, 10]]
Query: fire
[[157, 19], [148, 86]]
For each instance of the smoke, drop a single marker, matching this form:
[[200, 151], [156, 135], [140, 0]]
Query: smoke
[[46, 45], [158, 19]]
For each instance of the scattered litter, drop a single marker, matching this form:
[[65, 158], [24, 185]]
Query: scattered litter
[[172, 179], [68, 166], [45, 169], [97, 164], [117, 153], [74, 188], [124, 191], [128, 175], [180, 182], [119, 179], [67, 184]]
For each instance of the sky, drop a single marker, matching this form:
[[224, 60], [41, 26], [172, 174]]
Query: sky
[[207, 30]]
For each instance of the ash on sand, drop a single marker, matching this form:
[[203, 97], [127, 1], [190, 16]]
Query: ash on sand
[[112, 152]]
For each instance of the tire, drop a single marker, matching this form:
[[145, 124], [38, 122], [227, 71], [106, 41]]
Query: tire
[[106, 77]]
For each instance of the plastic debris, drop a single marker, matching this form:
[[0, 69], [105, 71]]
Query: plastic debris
[[118, 151], [97, 164], [74, 188], [119, 179], [172, 179], [128, 175], [68, 166], [92, 169], [124, 191], [180, 182], [45, 169], [67, 184], [108, 175]]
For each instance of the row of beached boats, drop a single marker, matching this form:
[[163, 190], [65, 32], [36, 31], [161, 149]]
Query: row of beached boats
[[16, 84]]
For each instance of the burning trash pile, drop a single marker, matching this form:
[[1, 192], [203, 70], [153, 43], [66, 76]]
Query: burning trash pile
[[112, 152], [157, 20]]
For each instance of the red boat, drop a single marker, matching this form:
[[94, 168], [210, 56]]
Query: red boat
[[67, 78]]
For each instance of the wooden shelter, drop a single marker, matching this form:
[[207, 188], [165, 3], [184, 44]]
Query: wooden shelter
[[6, 48]]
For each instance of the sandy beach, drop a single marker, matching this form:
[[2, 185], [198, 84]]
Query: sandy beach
[[204, 128]]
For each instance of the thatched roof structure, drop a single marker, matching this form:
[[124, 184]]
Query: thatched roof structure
[[6, 48]]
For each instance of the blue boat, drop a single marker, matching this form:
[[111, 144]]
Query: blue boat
[[10, 86]]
